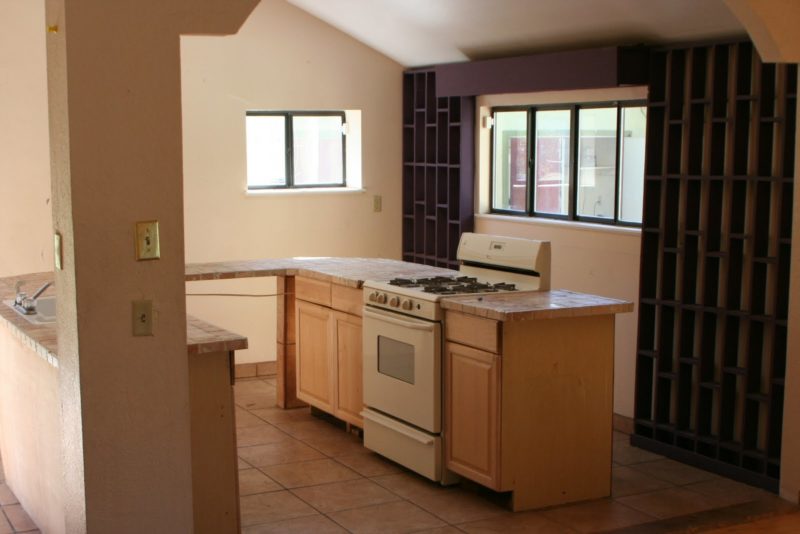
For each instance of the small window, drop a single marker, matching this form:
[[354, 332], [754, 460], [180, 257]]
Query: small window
[[295, 149], [578, 162]]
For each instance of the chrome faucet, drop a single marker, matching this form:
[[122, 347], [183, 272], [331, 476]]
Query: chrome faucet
[[25, 304]]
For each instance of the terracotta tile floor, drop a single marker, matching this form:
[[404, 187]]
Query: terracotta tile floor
[[302, 473], [299, 473]]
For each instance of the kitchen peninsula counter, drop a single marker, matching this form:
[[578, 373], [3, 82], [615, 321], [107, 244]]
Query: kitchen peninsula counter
[[201, 338], [349, 272], [31, 417]]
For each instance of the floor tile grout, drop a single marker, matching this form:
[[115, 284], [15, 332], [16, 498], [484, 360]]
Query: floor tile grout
[[638, 476]]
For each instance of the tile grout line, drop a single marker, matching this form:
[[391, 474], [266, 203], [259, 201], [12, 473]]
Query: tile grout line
[[636, 466]]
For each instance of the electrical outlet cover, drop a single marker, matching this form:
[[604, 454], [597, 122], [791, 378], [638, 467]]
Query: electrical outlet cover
[[142, 317]]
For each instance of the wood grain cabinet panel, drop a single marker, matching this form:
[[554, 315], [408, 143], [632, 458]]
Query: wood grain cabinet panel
[[329, 357], [472, 427], [350, 396], [473, 331], [311, 290], [316, 364], [347, 299]]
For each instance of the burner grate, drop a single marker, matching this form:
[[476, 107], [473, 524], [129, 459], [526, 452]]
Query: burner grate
[[452, 285]]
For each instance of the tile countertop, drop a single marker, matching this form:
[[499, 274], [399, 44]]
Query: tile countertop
[[529, 305], [351, 272], [202, 337]]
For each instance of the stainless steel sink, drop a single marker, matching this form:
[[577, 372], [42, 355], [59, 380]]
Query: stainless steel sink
[[45, 311]]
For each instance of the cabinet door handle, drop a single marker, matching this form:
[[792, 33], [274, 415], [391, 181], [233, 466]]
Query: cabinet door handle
[[398, 322]]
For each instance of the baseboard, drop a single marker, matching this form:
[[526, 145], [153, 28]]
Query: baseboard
[[256, 369], [623, 424]]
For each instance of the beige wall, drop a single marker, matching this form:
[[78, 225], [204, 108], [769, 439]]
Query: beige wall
[[586, 257], [25, 219], [283, 58], [246, 306], [31, 450]]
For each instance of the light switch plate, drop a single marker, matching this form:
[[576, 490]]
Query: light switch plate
[[142, 315], [147, 242], [377, 203]]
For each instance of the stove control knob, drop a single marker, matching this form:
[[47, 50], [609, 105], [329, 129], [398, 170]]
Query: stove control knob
[[373, 296], [407, 304], [394, 302], [381, 298]]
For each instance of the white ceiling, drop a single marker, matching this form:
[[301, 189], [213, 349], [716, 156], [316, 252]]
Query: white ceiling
[[425, 32]]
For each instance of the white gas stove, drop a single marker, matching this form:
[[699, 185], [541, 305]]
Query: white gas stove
[[489, 264], [402, 343]]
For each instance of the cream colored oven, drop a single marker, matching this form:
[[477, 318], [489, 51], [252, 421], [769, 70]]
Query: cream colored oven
[[403, 390], [402, 367]]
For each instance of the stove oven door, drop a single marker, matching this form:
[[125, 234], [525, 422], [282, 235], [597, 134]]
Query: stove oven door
[[402, 368]]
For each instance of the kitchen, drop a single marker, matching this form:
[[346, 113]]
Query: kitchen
[[346, 226]]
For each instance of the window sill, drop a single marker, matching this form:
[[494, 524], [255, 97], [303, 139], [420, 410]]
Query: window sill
[[572, 225], [305, 191]]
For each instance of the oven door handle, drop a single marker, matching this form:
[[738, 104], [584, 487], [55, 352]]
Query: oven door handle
[[427, 327]]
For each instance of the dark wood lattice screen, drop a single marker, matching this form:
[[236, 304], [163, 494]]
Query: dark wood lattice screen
[[716, 242], [437, 170]]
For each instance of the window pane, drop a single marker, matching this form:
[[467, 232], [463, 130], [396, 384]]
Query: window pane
[[552, 158], [631, 157], [318, 150], [510, 150], [266, 150], [597, 165]]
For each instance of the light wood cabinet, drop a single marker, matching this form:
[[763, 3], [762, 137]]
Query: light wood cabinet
[[533, 416], [316, 364], [472, 436], [349, 361], [215, 480], [329, 357]]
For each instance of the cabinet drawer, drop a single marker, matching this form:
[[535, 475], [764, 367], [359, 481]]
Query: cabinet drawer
[[473, 331], [312, 290], [406, 445], [347, 299]]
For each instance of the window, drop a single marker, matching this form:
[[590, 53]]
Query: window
[[577, 162], [295, 149]]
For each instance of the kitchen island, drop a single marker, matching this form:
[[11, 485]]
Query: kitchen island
[[528, 385], [528, 376]]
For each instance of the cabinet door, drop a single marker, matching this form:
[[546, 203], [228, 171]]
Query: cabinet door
[[316, 362], [350, 397], [472, 423]]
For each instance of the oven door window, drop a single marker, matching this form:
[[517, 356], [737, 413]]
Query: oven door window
[[396, 359]]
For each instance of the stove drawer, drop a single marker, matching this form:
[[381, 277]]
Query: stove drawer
[[419, 451], [473, 331]]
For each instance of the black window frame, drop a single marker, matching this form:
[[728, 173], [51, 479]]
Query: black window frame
[[530, 200], [289, 148]]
